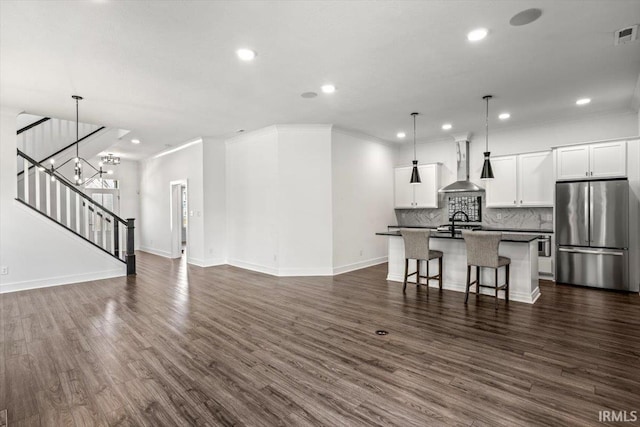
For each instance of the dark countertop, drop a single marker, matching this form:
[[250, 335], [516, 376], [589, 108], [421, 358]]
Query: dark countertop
[[506, 237], [503, 229]]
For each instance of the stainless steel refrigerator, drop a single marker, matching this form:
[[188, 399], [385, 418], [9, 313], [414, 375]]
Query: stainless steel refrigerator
[[592, 233]]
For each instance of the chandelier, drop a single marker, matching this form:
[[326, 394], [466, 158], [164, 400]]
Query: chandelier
[[110, 159], [82, 174]]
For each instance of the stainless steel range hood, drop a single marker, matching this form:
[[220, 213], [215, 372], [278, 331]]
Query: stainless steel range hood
[[462, 185]]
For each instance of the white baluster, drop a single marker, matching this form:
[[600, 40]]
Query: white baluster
[[111, 237], [68, 203], [87, 232], [58, 208], [78, 230], [96, 224], [36, 176], [47, 196], [121, 236], [104, 223], [25, 180]]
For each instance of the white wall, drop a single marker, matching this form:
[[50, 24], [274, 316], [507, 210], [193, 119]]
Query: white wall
[[252, 194], [128, 174], [362, 197], [304, 200], [215, 203], [37, 251], [154, 221]]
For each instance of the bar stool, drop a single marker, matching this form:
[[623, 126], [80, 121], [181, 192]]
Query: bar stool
[[416, 246], [482, 251]]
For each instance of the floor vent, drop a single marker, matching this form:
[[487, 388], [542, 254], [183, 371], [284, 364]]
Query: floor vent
[[4, 422]]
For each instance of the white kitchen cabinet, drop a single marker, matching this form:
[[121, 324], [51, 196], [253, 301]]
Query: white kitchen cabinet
[[521, 180], [502, 191], [426, 193], [423, 195], [600, 160], [608, 160], [573, 162], [535, 179], [403, 190]]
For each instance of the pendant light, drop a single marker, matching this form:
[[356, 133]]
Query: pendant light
[[487, 170], [415, 175]]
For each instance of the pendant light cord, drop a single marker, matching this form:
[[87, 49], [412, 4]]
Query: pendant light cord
[[487, 124], [77, 132], [414, 136]]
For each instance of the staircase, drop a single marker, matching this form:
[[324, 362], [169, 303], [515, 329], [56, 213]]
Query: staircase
[[53, 196]]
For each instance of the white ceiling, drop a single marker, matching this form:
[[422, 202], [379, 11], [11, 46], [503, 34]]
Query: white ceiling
[[168, 70]]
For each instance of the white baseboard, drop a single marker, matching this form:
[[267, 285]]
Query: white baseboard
[[460, 287], [62, 280], [253, 267], [153, 251], [359, 265], [207, 262], [321, 271]]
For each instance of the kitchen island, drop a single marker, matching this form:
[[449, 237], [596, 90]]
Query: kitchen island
[[521, 248]]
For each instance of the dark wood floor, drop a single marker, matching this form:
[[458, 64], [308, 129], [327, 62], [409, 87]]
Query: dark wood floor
[[225, 346]]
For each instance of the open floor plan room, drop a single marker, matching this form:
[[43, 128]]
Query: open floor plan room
[[183, 345]]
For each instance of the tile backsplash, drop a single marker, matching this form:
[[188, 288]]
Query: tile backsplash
[[528, 218]]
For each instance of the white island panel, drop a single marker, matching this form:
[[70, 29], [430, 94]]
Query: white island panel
[[523, 285]]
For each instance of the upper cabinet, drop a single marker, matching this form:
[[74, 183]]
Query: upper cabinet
[[601, 160], [535, 179], [502, 190], [422, 195], [521, 180]]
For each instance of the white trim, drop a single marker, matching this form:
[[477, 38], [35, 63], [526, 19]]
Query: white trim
[[253, 267], [153, 251], [362, 135], [259, 132], [207, 262], [573, 144], [181, 147], [359, 265], [63, 280], [301, 128], [315, 271]]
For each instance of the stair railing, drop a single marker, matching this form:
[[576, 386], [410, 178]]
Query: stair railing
[[51, 195]]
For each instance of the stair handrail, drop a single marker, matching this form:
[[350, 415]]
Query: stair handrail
[[68, 146], [32, 125], [70, 185], [91, 205]]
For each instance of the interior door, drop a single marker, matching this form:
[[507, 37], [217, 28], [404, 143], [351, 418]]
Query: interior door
[[572, 213]]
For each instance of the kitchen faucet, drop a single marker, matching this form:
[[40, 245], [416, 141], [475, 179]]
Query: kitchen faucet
[[453, 221]]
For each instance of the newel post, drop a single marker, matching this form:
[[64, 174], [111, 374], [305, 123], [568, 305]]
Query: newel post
[[131, 256]]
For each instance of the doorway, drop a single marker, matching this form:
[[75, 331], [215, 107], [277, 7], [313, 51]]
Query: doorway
[[179, 216]]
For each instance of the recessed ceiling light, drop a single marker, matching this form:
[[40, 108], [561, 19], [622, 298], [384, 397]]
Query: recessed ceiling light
[[135, 141], [504, 116], [477, 34], [328, 88], [446, 126], [401, 134], [309, 95], [583, 101], [245, 54]]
